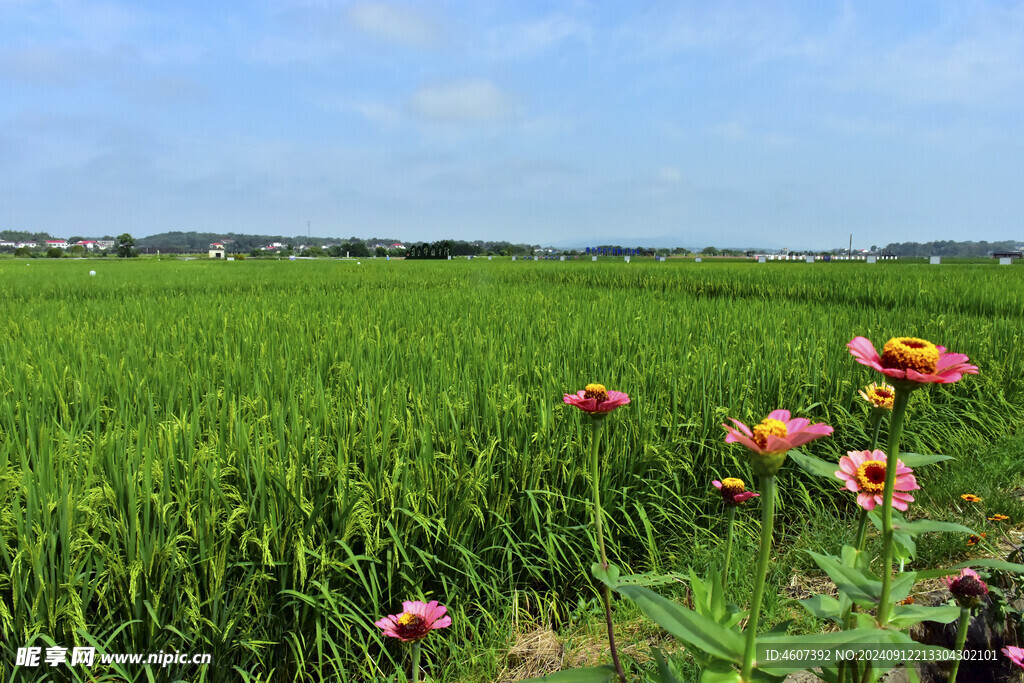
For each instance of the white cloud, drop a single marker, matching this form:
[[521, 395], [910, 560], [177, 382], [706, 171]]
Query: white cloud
[[974, 59], [395, 24], [530, 38], [670, 174], [473, 100], [757, 31], [53, 65], [737, 132]]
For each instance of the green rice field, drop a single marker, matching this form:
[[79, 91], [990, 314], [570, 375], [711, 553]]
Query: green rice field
[[259, 459]]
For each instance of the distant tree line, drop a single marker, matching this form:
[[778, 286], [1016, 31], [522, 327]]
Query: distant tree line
[[235, 243], [463, 248], [947, 248]]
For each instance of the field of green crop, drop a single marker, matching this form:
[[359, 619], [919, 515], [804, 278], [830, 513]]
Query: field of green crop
[[257, 460]]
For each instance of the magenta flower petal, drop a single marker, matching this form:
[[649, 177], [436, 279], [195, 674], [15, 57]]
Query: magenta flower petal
[[864, 351], [736, 437], [866, 501], [797, 424], [596, 400], [741, 427], [1016, 654]]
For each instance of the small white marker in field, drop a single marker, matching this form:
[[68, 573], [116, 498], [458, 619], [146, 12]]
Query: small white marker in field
[[359, 263], [92, 272]]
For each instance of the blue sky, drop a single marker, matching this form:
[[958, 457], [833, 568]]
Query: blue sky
[[785, 124]]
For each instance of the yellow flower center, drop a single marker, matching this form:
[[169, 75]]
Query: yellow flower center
[[910, 353], [595, 391], [881, 396], [871, 476], [407, 618], [768, 426], [733, 485]]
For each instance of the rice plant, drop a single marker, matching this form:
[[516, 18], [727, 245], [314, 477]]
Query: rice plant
[[257, 460]]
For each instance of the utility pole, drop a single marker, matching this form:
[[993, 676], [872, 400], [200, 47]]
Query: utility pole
[[849, 251]]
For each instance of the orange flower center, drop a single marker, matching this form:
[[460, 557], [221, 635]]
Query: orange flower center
[[910, 353], [595, 391], [768, 426], [871, 476], [733, 485]]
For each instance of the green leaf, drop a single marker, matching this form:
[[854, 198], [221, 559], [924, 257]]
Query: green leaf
[[666, 671], [651, 579], [591, 674], [781, 627], [701, 595], [902, 538], [687, 625], [902, 585], [919, 460], [923, 526], [720, 672], [905, 616], [829, 674], [815, 466], [823, 607], [851, 557], [861, 587], [609, 577]]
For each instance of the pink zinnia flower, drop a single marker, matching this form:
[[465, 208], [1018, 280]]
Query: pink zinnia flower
[[596, 400], [1016, 655], [734, 491], [773, 438], [913, 360], [776, 433], [864, 473], [967, 588], [416, 620]]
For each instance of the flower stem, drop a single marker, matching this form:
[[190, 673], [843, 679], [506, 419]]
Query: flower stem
[[767, 525], [416, 661], [876, 426], [862, 530], [961, 638], [728, 545], [899, 409], [598, 425]]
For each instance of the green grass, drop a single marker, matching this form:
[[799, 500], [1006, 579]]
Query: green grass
[[259, 459]]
